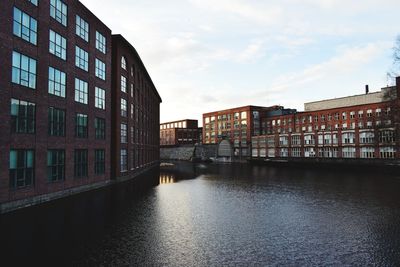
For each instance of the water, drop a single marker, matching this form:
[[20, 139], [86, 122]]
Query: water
[[217, 215]]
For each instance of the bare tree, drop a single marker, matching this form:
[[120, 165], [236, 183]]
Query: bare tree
[[395, 69]]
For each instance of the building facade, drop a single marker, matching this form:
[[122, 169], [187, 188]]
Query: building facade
[[55, 132], [136, 109], [237, 125], [355, 127], [57, 102], [183, 132]]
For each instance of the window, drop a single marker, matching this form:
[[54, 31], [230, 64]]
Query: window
[[283, 141], [100, 128], [35, 2], [360, 113], [132, 90], [82, 28], [124, 108], [132, 70], [327, 139], [124, 160], [284, 152], [369, 112], [386, 136], [81, 125], [100, 70], [22, 116], [81, 58], [58, 11], [123, 63], [99, 161], [367, 137], [55, 165], [100, 98], [25, 26], [80, 163], [344, 115], [23, 70], [387, 152], [367, 152], [296, 152], [296, 140], [132, 111], [56, 122], [309, 139], [124, 133], [57, 82], [22, 168], [81, 91], [123, 84], [100, 42], [58, 45], [348, 138], [348, 152]]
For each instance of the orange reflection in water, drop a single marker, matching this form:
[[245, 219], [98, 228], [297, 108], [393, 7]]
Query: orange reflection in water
[[167, 178]]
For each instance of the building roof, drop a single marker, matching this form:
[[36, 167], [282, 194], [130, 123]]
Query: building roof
[[123, 40]]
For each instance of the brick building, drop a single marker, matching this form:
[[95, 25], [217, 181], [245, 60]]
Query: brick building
[[183, 132], [237, 125], [136, 109], [360, 127], [56, 102]]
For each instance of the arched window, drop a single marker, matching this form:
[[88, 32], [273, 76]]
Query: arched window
[[123, 63]]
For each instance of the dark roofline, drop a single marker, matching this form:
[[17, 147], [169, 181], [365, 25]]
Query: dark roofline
[[178, 121], [242, 107], [119, 36], [92, 14]]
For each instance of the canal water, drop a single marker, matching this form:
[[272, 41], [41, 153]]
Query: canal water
[[216, 215]]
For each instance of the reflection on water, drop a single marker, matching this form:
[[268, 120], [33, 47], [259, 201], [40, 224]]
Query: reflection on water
[[218, 215], [167, 178]]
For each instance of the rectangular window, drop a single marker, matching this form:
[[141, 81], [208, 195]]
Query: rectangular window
[[100, 98], [81, 91], [23, 70], [58, 11], [22, 168], [55, 165], [124, 160], [81, 125], [367, 137], [25, 26], [99, 161], [124, 133], [348, 152], [100, 42], [348, 138], [367, 152], [80, 163], [56, 122], [58, 45], [82, 28], [81, 58], [22, 116], [386, 136], [100, 128], [387, 152], [100, 70], [123, 84], [124, 108], [57, 82]]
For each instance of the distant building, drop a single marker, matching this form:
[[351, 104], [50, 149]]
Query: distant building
[[237, 125], [183, 132], [355, 127], [136, 109]]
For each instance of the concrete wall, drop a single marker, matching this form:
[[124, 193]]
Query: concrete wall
[[177, 153]]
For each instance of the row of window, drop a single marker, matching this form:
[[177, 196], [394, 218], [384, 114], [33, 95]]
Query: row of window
[[385, 136], [23, 120], [25, 26], [327, 152], [226, 117], [22, 165], [329, 117]]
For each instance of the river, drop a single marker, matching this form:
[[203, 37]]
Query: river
[[216, 215]]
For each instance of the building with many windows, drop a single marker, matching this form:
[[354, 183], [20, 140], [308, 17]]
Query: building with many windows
[[183, 132], [237, 125], [56, 101], [355, 127], [136, 109]]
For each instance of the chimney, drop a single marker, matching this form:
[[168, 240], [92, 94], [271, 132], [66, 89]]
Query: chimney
[[398, 87], [366, 89]]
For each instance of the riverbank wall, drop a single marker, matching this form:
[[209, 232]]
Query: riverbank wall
[[40, 199]]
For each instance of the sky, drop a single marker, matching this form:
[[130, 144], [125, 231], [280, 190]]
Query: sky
[[209, 55]]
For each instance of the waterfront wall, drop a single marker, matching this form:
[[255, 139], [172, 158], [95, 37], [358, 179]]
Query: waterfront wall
[[189, 152], [40, 199]]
